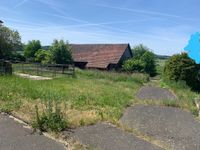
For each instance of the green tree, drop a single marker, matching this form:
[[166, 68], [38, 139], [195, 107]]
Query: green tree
[[61, 52], [143, 61], [43, 56], [10, 41], [31, 48], [139, 50], [148, 58]]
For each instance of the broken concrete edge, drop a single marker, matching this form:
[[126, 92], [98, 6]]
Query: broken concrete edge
[[27, 125], [142, 136], [134, 133], [173, 93]]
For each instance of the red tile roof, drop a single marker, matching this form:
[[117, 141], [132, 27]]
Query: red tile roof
[[98, 55]]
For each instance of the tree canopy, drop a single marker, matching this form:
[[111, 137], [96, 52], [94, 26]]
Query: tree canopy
[[143, 61], [61, 52], [139, 50], [10, 41], [42, 56], [31, 48]]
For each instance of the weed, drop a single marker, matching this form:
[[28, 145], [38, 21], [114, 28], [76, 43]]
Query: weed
[[171, 103], [52, 120]]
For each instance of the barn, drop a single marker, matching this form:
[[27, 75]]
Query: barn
[[100, 56]]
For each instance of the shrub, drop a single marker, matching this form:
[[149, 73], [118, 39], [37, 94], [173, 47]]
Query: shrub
[[132, 65], [143, 61], [50, 120], [181, 67]]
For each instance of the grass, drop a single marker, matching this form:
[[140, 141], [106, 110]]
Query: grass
[[89, 97], [184, 94], [160, 63]]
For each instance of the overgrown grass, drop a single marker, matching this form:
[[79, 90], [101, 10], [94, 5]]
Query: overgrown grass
[[89, 97], [160, 63], [185, 95]]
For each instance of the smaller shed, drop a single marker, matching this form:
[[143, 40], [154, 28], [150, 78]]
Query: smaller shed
[[100, 56]]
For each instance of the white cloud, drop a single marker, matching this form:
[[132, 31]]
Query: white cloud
[[20, 3]]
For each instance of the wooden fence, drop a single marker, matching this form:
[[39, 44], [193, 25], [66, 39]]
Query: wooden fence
[[44, 70], [5, 67]]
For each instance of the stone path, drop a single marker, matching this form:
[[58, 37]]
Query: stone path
[[13, 136], [106, 137], [173, 126], [155, 93]]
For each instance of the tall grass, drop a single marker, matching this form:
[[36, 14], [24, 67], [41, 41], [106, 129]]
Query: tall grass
[[186, 97], [89, 97]]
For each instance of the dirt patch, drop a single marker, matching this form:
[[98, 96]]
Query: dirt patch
[[107, 137], [33, 77], [155, 93], [173, 126]]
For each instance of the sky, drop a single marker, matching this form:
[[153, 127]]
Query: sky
[[165, 26]]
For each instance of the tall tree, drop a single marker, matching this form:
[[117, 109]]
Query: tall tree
[[61, 52], [10, 41], [139, 50], [31, 48]]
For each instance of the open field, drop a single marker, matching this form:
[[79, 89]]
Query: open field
[[85, 99]]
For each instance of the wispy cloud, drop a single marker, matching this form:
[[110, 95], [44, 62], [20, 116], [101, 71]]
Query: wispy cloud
[[22, 23], [142, 11], [53, 5], [21, 3]]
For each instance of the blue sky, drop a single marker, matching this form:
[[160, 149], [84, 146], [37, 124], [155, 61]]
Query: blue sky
[[164, 26]]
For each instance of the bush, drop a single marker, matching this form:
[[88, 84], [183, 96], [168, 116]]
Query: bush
[[132, 65], [181, 67], [143, 61], [50, 120]]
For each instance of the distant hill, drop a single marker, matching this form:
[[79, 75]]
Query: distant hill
[[162, 56], [45, 47]]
